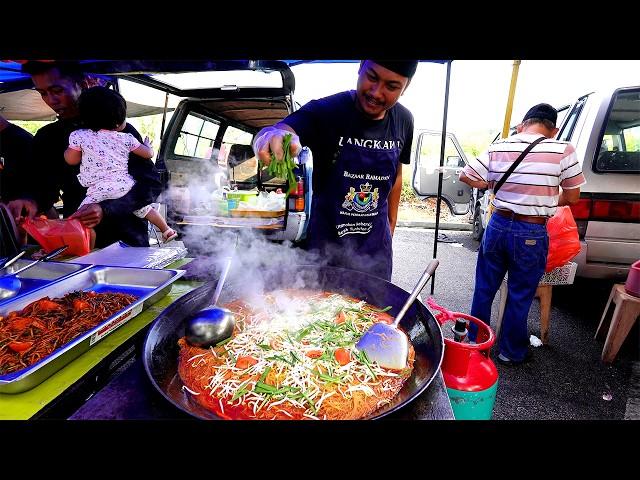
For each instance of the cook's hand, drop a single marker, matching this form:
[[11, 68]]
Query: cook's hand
[[148, 142], [89, 215], [269, 140], [22, 208]]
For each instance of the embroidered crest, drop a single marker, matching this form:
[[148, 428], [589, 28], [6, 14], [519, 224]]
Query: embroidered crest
[[361, 201]]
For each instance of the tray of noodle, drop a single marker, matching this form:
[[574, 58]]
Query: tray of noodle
[[44, 330]]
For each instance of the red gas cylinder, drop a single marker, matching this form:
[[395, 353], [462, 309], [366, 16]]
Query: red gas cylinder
[[469, 374]]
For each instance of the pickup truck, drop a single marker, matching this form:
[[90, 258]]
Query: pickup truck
[[604, 127]]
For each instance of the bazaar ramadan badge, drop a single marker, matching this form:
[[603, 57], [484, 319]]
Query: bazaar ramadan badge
[[361, 201]]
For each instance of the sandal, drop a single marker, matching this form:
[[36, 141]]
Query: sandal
[[168, 235]]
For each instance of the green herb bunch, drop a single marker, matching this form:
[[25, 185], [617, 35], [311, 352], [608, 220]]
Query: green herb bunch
[[284, 169]]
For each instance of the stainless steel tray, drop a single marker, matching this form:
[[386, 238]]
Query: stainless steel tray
[[149, 285], [40, 275]]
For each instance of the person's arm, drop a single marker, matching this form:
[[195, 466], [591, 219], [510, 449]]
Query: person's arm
[[72, 156], [569, 196], [73, 153], [571, 177], [476, 172], [144, 149], [394, 200], [480, 184]]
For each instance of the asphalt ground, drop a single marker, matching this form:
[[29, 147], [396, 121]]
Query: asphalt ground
[[565, 380]]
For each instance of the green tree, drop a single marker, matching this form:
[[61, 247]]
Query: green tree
[[31, 126]]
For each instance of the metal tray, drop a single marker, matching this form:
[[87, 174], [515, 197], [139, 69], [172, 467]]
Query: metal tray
[[40, 275], [148, 284]]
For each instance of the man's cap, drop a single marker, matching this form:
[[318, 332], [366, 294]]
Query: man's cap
[[405, 68], [543, 111]]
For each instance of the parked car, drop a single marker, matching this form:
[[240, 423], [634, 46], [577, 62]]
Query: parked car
[[604, 127]]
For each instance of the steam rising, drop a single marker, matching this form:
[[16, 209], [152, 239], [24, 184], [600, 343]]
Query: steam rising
[[259, 264]]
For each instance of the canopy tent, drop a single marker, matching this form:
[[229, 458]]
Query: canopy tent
[[27, 105], [13, 80]]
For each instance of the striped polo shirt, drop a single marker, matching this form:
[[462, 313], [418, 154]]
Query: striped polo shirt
[[533, 187]]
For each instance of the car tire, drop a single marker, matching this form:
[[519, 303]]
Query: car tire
[[477, 230]]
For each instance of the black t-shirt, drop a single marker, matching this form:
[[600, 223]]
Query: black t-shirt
[[15, 150], [323, 124], [50, 177]]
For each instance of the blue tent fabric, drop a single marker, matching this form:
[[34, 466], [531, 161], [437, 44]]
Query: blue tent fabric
[[11, 77]]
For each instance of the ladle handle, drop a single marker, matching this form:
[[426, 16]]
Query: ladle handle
[[223, 275], [433, 264], [14, 259], [48, 256]]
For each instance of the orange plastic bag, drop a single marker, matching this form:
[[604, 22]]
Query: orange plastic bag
[[52, 234], [564, 243]]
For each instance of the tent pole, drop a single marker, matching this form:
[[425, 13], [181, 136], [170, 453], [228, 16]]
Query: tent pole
[[512, 91], [442, 145]]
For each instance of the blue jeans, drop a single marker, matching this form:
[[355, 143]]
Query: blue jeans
[[519, 248]]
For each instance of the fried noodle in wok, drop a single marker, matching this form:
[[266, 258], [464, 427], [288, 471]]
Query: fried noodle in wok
[[292, 356]]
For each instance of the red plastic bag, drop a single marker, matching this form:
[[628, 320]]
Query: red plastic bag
[[564, 243], [52, 234]]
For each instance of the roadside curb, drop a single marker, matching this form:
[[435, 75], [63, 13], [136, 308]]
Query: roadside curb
[[432, 225]]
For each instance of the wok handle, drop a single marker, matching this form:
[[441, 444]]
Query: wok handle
[[431, 268]]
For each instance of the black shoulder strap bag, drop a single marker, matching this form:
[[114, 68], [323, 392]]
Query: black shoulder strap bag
[[516, 163]]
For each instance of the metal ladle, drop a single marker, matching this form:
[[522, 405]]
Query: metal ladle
[[212, 324], [10, 284]]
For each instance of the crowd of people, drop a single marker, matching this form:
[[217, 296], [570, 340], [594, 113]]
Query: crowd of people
[[100, 167]]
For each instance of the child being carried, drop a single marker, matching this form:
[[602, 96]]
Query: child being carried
[[102, 151]]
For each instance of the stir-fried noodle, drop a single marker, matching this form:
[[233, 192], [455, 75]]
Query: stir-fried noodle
[[29, 335]]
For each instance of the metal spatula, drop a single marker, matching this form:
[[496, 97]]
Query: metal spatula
[[385, 343]]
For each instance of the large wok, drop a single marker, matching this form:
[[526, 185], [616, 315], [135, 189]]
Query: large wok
[[160, 355]]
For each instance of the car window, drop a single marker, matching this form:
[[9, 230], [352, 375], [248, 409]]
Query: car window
[[196, 138], [430, 152], [237, 154], [620, 141]]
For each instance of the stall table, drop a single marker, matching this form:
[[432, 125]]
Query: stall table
[[109, 381]]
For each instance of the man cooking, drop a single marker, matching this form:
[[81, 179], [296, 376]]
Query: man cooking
[[359, 139]]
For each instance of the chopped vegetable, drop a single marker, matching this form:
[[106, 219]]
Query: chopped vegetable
[[245, 362], [342, 356], [20, 346], [284, 168]]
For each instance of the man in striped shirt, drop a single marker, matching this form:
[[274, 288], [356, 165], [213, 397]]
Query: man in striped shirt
[[516, 240]]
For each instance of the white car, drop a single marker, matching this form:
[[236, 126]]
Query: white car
[[604, 127]]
